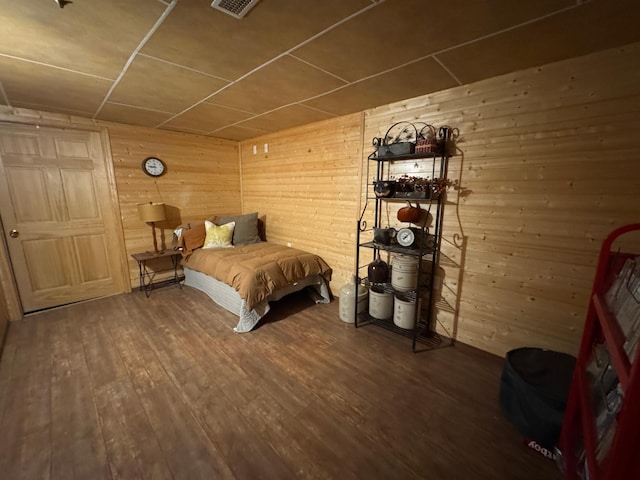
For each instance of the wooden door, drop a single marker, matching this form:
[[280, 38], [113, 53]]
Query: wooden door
[[61, 228]]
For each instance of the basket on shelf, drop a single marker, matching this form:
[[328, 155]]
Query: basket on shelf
[[427, 140], [413, 187], [400, 139], [384, 188]]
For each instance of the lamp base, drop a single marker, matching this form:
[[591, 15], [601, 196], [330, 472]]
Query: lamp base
[[155, 239]]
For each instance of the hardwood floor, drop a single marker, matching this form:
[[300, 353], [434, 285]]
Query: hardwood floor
[[129, 387]]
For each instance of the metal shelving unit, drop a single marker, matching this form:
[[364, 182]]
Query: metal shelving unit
[[379, 167]]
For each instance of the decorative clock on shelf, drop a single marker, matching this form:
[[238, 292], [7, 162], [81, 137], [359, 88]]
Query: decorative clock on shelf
[[153, 166], [405, 237], [413, 237]]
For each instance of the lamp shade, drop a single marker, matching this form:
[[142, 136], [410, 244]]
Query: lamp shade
[[152, 212]]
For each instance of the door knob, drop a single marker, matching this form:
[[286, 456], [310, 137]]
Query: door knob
[[14, 233]]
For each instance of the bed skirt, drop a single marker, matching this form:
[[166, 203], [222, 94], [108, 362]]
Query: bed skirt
[[229, 299]]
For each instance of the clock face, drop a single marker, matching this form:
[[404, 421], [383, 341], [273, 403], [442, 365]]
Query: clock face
[[153, 166], [405, 237], [431, 241]]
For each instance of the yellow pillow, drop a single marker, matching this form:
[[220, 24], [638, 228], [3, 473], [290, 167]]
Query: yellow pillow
[[218, 236]]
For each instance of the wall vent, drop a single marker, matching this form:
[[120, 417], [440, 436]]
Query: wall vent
[[235, 8]]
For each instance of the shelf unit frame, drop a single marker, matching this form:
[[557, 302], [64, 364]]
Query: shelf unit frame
[[579, 426], [422, 332]]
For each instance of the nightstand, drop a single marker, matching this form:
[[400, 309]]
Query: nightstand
[[145, 263]]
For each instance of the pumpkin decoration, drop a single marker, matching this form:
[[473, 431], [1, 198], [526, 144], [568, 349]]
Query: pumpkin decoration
[[410, 213]]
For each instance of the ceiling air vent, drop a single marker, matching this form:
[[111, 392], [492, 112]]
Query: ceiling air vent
[[235, 8]]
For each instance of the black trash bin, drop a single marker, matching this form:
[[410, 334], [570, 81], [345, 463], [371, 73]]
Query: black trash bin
[[534, 388]]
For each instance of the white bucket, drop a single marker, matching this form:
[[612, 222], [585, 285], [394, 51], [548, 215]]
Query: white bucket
[[404, 273], [404, 314], [380, 304], [347, 304]]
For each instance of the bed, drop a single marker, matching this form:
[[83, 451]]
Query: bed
[[244, 277]]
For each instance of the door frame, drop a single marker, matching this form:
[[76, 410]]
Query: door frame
[[8, 281], [8, 285]]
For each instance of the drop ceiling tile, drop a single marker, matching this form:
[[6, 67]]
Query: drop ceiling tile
[[282, 82], [548, 40], [238, 133], [184, 130], [157, 85], [98, 37], [207, 117], [416, 79], [50, 109], [398, 31], [203, 38], [131, 115], [91, 37], [285, 118], [51, 88]]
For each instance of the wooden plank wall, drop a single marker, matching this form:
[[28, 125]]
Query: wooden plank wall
[[202, 179], [307, 189], [203, 175], [548, 163], [548, 166]]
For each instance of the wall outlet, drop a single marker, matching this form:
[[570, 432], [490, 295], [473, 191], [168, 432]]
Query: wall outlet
[[289, 244], [266, 148], [255, 149]]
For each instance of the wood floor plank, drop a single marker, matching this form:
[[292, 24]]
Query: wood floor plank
[[25, 446], [67, 352], [358, 453], [76, 442], [317, 375], [231, 379], [161, 387], [26, 456], [102, 356], [306, 458], [132, 447], [247, 453], [78, 449], [188, 451], [277, 382], [6, 376], [157, 326], [137, 354]]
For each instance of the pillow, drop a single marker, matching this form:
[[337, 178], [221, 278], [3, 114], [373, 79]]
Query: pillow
[[193, 237], [246, 229], [218, 236]]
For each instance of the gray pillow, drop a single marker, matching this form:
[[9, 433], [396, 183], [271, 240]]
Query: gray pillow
[[246, 230]]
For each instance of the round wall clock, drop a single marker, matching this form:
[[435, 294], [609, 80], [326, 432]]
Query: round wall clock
[[153, 166]]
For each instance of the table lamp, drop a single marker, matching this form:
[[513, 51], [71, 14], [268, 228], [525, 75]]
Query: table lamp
[[152, 213]]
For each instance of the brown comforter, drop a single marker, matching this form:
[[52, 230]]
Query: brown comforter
[[258, 269]]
